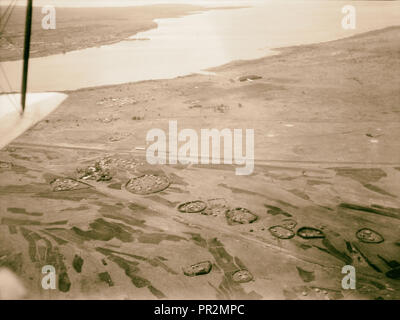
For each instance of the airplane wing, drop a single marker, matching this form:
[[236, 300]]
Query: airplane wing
[[13, 122]]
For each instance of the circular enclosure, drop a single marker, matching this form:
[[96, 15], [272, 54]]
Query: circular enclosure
[[281, 232], [147, 184], [242, 276], [240, 215], [369, 236], [67, 184], [192, 206], [310, 233]]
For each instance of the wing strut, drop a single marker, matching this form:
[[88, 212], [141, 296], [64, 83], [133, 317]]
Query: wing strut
[[27, 42]]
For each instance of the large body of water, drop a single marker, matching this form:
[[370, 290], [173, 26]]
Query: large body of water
[[189, 44]]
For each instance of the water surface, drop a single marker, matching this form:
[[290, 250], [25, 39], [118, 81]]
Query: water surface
[[185, 45]]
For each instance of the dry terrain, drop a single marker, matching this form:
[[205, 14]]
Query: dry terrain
[[326, 120]]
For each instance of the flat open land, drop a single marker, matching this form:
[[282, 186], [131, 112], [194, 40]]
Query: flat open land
[[326, 120]]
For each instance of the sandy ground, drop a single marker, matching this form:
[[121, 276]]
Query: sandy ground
[[326, 120], [79, 28]]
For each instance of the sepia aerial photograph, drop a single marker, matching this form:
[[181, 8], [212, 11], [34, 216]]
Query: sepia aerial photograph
[[199, 150]]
